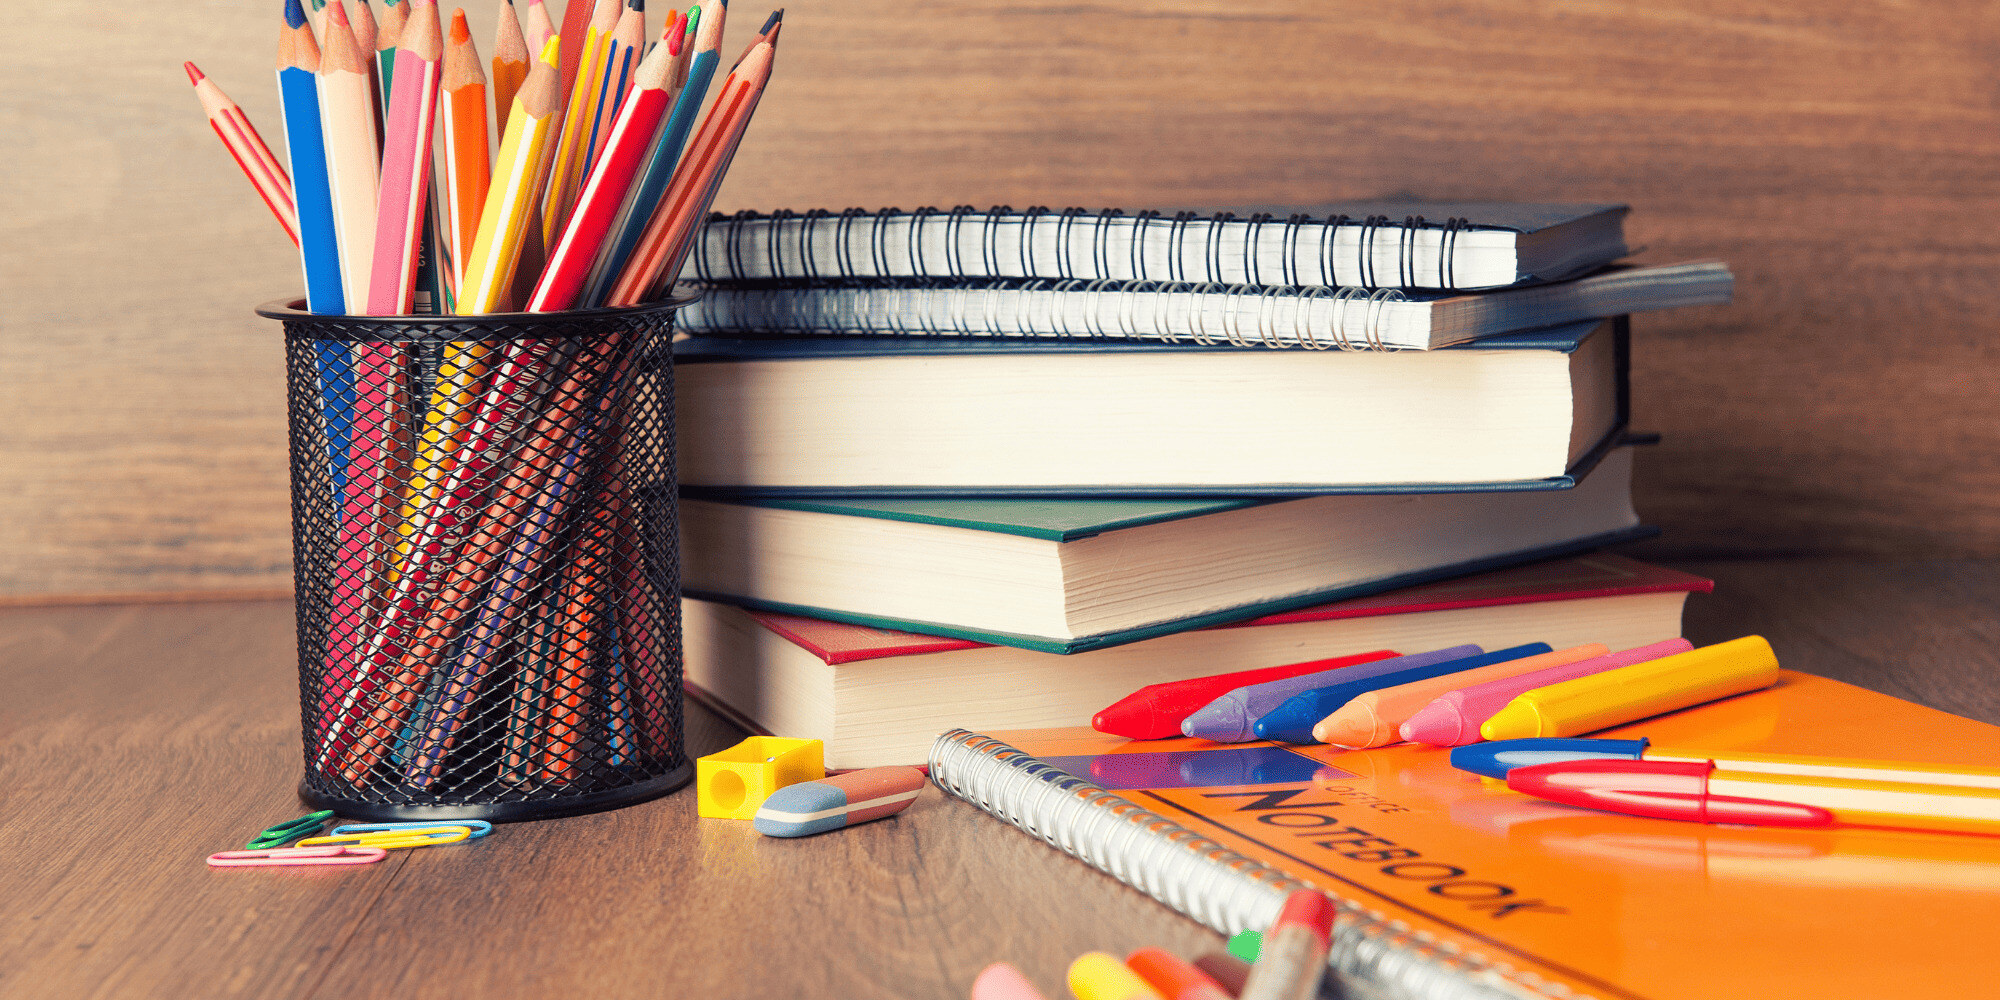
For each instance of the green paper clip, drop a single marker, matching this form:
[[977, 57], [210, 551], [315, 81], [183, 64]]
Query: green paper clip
[[288, 831]]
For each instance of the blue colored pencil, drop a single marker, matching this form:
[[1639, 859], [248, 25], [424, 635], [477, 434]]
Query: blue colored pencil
[[659, 172], [319, 237]]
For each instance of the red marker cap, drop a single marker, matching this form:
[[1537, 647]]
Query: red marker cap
[[1310, 909], [1659, 789]]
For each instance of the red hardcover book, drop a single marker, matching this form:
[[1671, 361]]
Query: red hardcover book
[[877, 696]]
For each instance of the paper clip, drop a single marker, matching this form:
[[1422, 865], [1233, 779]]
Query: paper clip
[[423, 836], [273, 857], [479, 827], [288, 831]]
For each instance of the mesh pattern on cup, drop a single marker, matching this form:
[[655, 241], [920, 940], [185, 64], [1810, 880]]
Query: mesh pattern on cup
[[484, 547]]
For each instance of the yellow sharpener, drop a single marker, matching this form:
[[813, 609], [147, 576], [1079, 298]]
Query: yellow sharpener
[[733, 783]]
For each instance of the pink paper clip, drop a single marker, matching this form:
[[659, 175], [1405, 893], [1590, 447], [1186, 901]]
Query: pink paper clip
[[284, 856]]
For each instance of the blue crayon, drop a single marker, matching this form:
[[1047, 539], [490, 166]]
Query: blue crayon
[[1232, 718], [1292, 722]]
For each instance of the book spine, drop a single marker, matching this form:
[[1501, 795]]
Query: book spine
[[1078, 244], [1201, 879]]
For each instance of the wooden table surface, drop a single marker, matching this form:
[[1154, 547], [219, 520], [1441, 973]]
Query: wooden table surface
[[136, 739]]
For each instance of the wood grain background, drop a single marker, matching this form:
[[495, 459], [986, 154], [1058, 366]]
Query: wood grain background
[[1841, 157]]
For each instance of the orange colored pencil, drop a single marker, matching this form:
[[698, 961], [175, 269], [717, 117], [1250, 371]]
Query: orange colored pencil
[[656, 258], [575, 665], [252, 156], [467, 169], [510, 64]]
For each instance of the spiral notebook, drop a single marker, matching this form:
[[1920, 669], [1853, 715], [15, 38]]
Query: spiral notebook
[[1240, 315], [1452, 889], [1403, 244]]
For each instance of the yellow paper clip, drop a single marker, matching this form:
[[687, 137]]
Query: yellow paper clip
[[390, 840]]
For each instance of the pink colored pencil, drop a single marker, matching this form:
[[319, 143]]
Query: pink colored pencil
[[406, 162], [1454, 718], [632, 138]]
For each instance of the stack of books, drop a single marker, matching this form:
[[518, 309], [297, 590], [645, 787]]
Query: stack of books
[[996, 469]]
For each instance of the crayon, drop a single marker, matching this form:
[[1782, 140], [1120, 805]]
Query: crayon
[[1374, 718], [1607, 699], [1292, 721], [1232, 717], [1098, 976], [1454, 718], [1156, 711]]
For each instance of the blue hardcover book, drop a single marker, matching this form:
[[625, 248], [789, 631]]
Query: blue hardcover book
[[943, 416]]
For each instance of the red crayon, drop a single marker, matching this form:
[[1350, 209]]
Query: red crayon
[[1293, 957], [1155, 711]]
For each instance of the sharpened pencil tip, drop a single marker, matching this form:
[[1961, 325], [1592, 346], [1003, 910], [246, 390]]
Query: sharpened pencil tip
[[194, 73], [295, 14], [770, 21], [337, 14], [638, 5], [461, 32]]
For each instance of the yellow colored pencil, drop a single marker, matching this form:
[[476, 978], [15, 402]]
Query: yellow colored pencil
[[518, 175], [566, 175]]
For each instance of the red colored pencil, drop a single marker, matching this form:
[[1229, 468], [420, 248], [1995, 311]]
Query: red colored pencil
[[247, 148], [1154, 712], [632, 138]]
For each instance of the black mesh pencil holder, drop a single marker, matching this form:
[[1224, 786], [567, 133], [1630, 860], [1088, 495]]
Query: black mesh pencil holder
[[484, 545]]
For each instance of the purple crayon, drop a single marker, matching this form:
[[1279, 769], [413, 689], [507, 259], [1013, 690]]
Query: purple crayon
[[1230, 718]]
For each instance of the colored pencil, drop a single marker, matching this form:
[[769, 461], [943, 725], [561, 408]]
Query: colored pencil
[[693, 187], [622, 49], [366, 34], [771, 23], [406, 162], [576, 19], [517, 177], [644, 200], [424, 611], [597, 373], [566, 176], [529, 704], [467, 171], [690, 225], [576, 659], [510, 66], [347, 121], [632, 138], [420, 596], [247, 148], [319, 241], [536, 30], [319, 17]]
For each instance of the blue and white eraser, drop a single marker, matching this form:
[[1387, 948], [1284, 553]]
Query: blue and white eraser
[[843, 800]]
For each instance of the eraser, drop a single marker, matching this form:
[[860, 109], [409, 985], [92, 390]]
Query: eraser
[[843, 800]]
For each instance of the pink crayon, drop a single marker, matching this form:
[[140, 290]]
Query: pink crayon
[[1453, 719]]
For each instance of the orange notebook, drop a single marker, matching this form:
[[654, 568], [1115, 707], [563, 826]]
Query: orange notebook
[[1453, 886]]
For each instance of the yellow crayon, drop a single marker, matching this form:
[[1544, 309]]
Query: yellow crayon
[[1098, 976], [1614, 697]]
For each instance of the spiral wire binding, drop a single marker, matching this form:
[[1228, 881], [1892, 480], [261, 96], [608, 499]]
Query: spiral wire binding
[[730, 230], [1205, 881], [1101, 242]]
